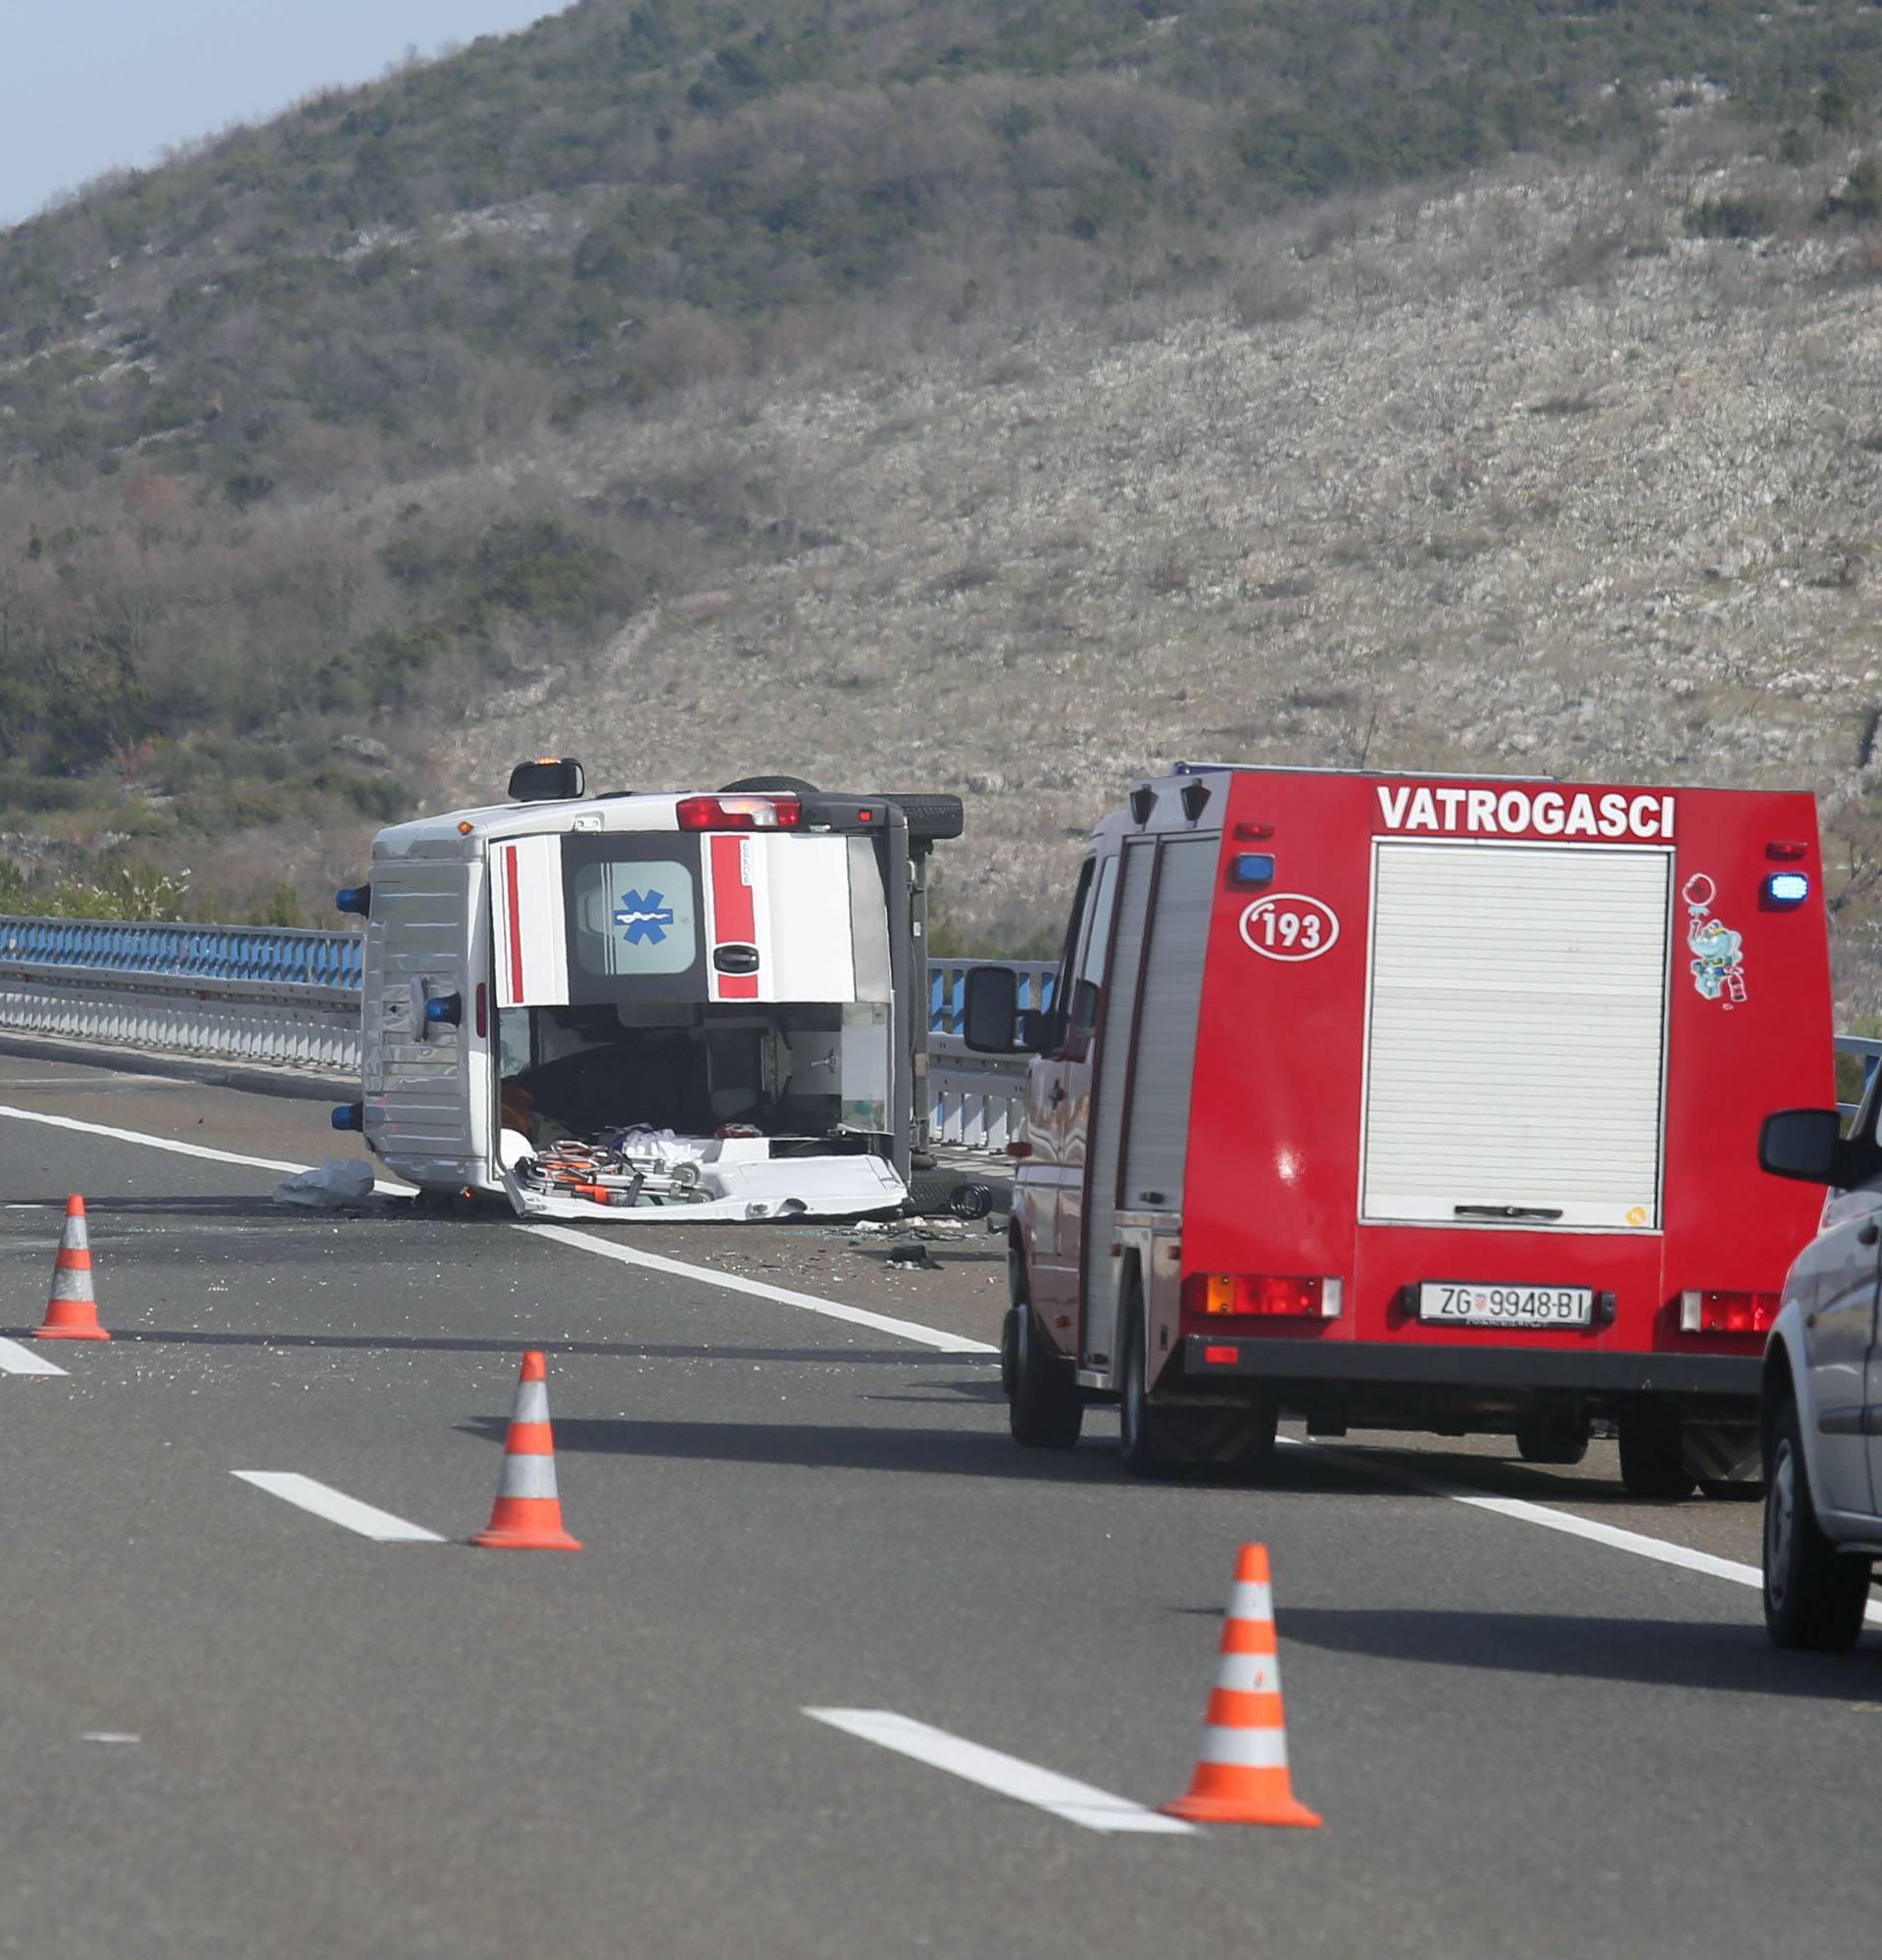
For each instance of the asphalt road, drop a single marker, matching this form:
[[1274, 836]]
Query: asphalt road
[[1522, 1740]]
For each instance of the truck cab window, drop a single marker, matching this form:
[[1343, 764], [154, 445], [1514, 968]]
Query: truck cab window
[[1067, 960], [1084, 1010]]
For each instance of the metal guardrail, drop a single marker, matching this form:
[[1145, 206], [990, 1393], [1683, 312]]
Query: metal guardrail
[[292, 999], [251, 992]]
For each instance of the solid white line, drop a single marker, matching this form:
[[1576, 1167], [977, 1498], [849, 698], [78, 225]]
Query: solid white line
[[857, 1316], [882, 1323], [337, 1507], [1616, 1537], [17, 1358], [1076, 1802], [170, 1144]]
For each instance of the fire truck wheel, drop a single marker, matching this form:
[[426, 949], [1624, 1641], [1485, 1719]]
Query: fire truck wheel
[[1814, 1596], [1046, 1411], [1552, 1435], [1139, 1426], [1652, 1462]]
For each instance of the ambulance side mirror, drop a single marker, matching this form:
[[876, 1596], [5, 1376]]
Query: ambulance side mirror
[[1809, 1145], [990, 1013]]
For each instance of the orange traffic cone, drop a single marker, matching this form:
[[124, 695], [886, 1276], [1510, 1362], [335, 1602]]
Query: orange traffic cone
[[72, 1313], [528, 1513], [1241, 1776]]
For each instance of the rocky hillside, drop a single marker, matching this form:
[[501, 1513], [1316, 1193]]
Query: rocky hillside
[[1000, 398]]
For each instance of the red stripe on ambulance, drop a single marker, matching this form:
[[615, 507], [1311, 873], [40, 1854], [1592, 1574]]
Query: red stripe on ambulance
[[735, 915]]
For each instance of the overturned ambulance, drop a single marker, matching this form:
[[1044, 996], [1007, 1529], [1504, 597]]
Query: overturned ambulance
[[634, 1006]]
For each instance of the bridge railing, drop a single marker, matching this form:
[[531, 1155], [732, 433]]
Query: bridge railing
[[288, 998], [291, 999]]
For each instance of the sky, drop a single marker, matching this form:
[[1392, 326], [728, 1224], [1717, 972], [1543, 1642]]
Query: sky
[[86, 85]]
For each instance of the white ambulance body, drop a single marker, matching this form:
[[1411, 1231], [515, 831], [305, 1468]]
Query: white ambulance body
[[678, 1006]]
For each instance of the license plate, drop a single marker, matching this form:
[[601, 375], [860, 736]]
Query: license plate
[[1471, 1303]]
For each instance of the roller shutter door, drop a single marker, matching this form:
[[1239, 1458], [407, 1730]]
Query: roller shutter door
[[1159, 1116], [1516, 1063], [1107, 1100]]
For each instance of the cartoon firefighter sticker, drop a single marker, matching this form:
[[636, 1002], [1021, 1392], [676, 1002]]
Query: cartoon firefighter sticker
[[1719, 953]]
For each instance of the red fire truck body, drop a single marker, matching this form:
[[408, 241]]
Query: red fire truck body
[[1420, 1102]]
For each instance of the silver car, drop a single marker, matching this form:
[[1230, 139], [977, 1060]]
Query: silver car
[[1822, 1388]]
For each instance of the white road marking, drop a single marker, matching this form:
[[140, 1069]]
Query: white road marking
[[1616, 1537], [109, 1736], [832, 1309], [17, 1358], [337, 1507], [171, 1144], [882, 1323], [1076, 1802]]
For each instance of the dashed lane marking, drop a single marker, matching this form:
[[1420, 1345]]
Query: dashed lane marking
[[832, 1309], [337, 1507], [17, 1358], [1616, 1537], [1046, 1789]]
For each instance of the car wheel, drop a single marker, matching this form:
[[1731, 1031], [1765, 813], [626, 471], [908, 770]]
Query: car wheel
[[1652, 1461], [1046, 1410], [1814, 1595]]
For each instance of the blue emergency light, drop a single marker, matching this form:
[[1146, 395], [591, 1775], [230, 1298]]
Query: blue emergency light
[[1253, 868], [1787, 888], [444, 1008]]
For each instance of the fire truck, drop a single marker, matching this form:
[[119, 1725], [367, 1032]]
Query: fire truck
[[1416, 1103], [688, 1006]]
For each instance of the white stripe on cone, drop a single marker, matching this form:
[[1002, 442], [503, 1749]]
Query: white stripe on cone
[[1250, 1600], [532, 1403], [527, 1477], [1249, 1749], [1250, 1674]]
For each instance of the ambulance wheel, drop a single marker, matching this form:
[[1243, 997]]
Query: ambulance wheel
[[1653, 1459], [769, 786], [1046, 1411]]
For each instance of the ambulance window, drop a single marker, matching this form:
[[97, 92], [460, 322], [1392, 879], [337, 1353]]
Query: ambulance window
[[1097, 949]]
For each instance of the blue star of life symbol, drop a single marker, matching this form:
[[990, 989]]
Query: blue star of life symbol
[[644, 916]]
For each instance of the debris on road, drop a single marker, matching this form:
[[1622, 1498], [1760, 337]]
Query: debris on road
[[338, 1185]]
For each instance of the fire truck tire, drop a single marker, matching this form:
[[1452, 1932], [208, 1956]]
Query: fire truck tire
[[1814, 1596], [769, 786], [1552, 1435], [1652, 1461], [1046, 1410], [1168, 1441]]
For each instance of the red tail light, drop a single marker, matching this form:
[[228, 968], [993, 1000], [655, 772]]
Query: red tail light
[[1269, 1293], [1707, 1311], [723, 813]]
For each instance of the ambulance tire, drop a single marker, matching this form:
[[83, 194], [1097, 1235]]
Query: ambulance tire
[[1653, 1459], [769, 786], [1046, 1410]]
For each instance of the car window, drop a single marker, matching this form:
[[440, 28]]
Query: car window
[[1097, 949]]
